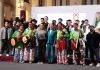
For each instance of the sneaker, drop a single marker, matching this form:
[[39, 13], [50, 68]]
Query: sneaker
[[30, 62], [38, 63], [98, 65], [21, 62], [84, 64], [0, 54], [91, 64], [7, 54], [41, 62], [68, 55]]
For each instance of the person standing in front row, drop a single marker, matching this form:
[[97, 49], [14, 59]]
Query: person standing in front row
[[51, 41], [5, 34], [61, 45], [30, 43], [18, 54], [93, 41], [75, 36], [41, 38]]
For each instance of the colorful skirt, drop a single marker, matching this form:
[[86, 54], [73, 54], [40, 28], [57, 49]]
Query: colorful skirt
[[62, 45]]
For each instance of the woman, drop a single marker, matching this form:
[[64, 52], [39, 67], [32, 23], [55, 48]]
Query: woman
[[41, 43], [61, 41], [75, 37], [29, 44], [19, 45]]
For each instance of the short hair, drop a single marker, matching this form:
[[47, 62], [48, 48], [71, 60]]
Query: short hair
[[34, 20], [46, 17], [60, 19], [77, 20], [86, 20], [76, 24], [69, 20], [42, 18], [91, 26]]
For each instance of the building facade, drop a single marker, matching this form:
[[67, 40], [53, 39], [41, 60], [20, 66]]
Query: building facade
[[9, 9]]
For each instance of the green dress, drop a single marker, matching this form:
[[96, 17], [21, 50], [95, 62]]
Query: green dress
[[19, 44]]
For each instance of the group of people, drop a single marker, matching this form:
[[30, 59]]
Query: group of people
[[51, 42]]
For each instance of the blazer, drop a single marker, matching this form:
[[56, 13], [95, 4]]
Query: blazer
[[51, 37], [3, 32]]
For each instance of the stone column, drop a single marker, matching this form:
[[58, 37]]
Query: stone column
[[1, 17], [1, 13]]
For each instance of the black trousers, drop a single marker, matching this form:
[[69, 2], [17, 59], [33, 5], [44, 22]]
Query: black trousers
[[86, 50], [94, 52], [5, 46], [69, 49], [41, 50]]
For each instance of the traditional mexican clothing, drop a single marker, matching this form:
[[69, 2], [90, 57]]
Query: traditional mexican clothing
[[18, 53], [61, 49], [75, 44], [28, 47]]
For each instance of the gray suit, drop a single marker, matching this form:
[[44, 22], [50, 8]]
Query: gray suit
[[5, 42], [3, 32]]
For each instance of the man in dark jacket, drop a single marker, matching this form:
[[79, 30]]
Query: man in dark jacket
[[93, 40]]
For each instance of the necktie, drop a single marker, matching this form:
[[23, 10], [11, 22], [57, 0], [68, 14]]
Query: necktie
[[6, 35]]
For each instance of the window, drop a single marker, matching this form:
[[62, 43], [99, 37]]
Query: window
[[98, 1], [26, 1], [83, 2], [60, 2], [41, 2]]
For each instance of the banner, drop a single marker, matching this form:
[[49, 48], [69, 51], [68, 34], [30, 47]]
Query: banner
[[97, 19]]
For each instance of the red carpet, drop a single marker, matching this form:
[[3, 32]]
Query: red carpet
[[6, 58]]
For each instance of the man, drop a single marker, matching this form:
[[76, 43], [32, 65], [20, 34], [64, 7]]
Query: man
[[51, 43], [18, 54], [5, 34], [46, 22], [16, 27], [86, 30], [93, 41], [34, 21]]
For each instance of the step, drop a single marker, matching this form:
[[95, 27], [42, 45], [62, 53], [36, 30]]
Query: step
[[6, 58]]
